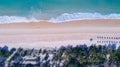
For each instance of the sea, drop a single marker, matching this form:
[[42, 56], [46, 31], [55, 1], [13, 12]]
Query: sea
[[16, 11]]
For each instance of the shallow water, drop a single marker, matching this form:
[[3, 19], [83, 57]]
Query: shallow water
[[47, 9]]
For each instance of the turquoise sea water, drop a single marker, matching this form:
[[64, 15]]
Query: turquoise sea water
[[58, 9]]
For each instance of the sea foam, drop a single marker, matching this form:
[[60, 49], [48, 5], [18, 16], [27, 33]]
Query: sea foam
[[62, 18], [16, 19], [83, 16]]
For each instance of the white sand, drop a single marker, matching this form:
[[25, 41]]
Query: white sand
[[45, 34]]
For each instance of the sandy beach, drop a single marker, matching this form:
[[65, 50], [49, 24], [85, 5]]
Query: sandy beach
[[47, 34]]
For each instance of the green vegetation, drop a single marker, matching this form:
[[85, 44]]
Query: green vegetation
[[69, 56], [4, 52], [92, 55]]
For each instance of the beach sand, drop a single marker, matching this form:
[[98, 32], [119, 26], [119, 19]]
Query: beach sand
[[45, 34]]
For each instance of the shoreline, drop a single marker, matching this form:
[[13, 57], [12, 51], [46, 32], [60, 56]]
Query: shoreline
[[98, 22], [46, 34]]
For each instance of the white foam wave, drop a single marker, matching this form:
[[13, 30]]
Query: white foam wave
[[16, 19], [62, 18], [82, 16]]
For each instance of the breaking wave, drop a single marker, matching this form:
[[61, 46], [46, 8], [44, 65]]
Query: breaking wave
[[16, 19], [83, 16], [62, 18]]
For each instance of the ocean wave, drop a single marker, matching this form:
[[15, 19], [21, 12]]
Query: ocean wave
[[16, 19], [82, 16], [62, 18]]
